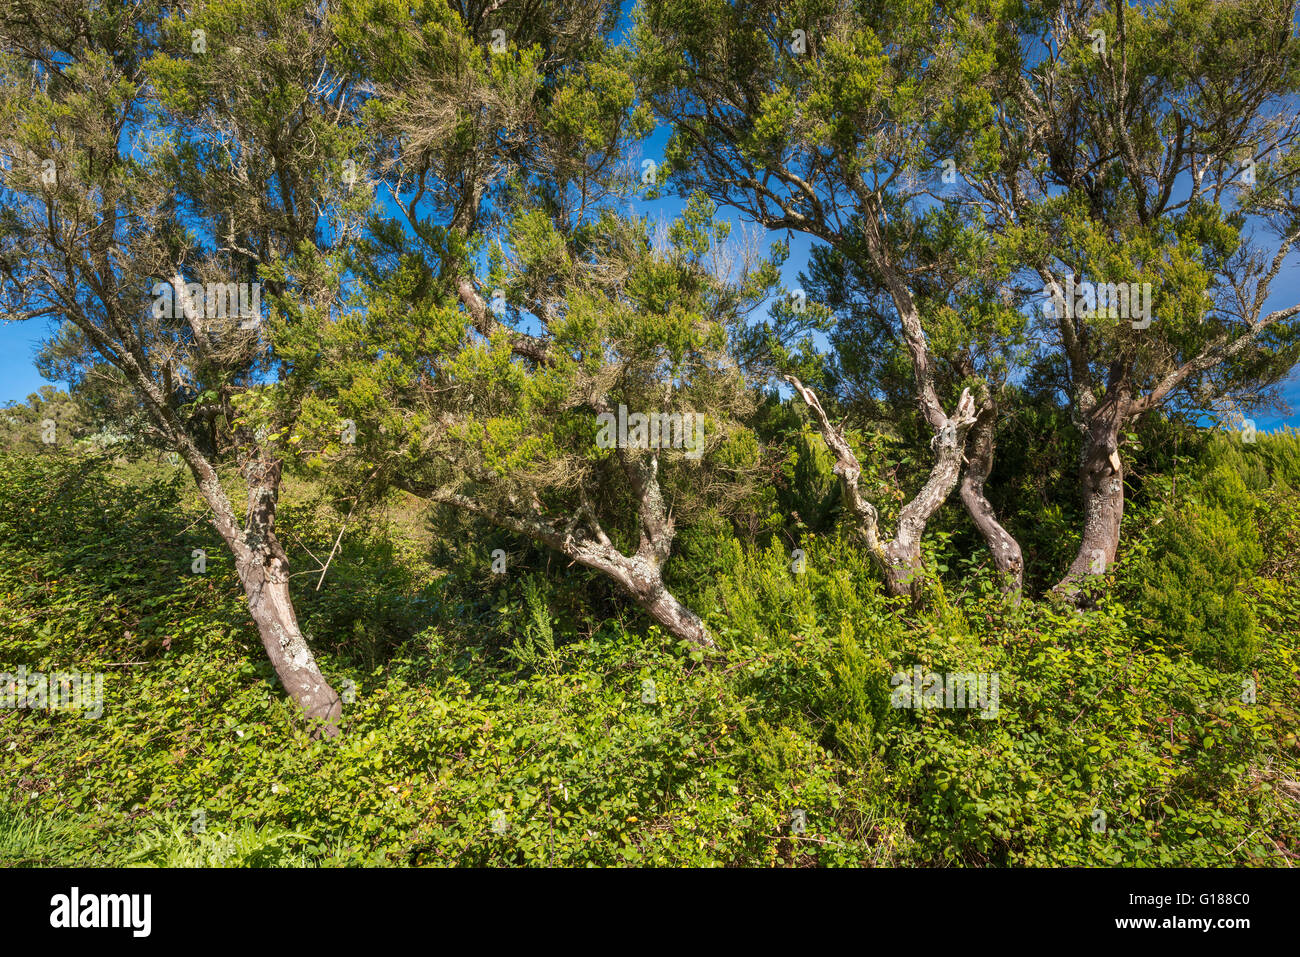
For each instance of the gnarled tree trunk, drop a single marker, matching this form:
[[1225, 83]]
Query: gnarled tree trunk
[[899, 559], [263, 570], [640, 576], [1007, 556], [582, 539], [1101, 480]]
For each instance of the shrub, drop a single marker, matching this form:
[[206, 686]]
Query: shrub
[[1197, 572]]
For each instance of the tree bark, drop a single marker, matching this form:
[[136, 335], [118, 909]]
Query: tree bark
[[267, 587], [899, 559], [905, 573], [1101, 480], [582, 540], [1007, 556], [641, 573], [665, 608], [263, 569], [642, 579]]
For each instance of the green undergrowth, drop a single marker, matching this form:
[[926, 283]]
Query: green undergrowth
[[1120, 735]]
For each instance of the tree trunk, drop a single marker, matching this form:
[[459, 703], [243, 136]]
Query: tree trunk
[[1007, 556], [639, 575], [582, 539], [899, 558], [263, 569], [644, 582], [1101, 478], [267, 586], [904, 572], [260, 560]]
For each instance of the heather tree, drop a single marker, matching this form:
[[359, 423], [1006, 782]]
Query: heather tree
[[833, 119], [634, 424], [1146, 189], [168, 209], [517, 346]]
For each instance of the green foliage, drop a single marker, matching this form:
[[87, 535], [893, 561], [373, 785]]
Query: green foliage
[[1197, 578], [535, 648], [447, 736], [172, 844], [25, 425], [476, 333], [27, 842]]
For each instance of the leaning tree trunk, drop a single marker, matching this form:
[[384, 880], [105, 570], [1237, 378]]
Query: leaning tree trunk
[[260, 560], [581, 539], [264, 574], [263, 570], [664, 608], [641, 578], [1101, 480], [1007, 556]]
